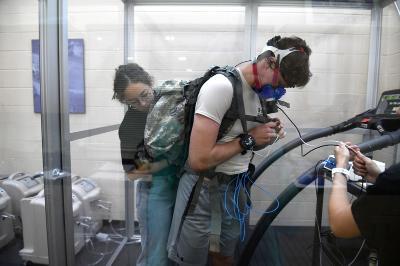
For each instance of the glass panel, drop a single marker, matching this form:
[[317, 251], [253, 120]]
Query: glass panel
[[22, 225], [339, 39], [290, 239], [96, 43], [96, 48], [389, 72], [182, 42], [97, 159], [178, 42], [98, 182]]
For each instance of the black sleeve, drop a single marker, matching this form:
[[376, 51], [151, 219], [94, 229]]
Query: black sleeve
[[131, 132], [377, 212]]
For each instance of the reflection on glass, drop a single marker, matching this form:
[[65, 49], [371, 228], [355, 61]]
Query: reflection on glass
[[21, 165]]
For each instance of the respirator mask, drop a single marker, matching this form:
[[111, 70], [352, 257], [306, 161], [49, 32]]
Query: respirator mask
[[270, 94]]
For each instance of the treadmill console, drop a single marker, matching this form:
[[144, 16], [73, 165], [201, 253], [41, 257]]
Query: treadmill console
[[384, 117], [389, 103]]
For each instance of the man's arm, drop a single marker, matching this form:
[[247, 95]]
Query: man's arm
[[205, 153]]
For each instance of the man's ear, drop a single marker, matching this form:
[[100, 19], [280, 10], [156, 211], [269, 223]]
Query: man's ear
[[271, 62]]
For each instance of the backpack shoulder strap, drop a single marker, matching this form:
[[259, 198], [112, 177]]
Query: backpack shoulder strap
[[236, 110]]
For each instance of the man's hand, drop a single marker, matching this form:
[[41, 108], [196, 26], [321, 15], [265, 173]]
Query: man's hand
[[364, 166], [267, 133]]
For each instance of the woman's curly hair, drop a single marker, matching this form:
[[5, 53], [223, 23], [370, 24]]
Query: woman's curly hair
[[128, 74]]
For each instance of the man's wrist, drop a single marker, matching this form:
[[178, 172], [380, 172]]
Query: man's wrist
[[247, 142]]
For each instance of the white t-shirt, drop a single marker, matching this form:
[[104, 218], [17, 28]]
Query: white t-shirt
[[214, 100]]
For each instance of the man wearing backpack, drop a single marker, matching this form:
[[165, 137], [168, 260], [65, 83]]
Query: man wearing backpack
[[207, 227], [133, 86]]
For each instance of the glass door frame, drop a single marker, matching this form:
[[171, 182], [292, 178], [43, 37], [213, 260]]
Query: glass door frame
[[55, 131]]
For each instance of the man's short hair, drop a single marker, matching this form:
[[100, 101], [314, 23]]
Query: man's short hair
[[295, 67]]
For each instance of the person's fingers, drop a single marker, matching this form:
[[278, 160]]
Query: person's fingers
[[358, 159], [355, 148], [362, 156], [360, 173], [359, 165], [282, 134]]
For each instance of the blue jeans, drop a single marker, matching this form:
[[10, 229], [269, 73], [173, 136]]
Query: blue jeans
[[155, 204]]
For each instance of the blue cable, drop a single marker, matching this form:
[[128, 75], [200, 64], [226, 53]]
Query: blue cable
[[240, 215]]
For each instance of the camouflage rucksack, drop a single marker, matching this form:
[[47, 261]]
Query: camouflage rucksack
[[163, 134], [170, 120]]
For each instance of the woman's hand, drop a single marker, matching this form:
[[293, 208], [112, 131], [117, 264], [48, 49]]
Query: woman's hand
[[342, 155], [365, 167]]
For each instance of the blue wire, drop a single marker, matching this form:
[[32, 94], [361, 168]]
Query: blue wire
[[267, 193], [240, 215]]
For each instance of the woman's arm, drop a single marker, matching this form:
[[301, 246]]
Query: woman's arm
[[341, 218]]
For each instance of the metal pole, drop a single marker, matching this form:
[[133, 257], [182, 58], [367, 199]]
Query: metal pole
[[318, 221], [397, 5], [129, 185], [55, 131], [251, 22], [374, 56]]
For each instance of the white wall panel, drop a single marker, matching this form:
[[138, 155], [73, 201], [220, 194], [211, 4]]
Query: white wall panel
[[16, 96], [19, 22], [390, 82], [169, 40], [102, 60], [197, 61], [16, 41], [93, 6], [16, 60], [180, 42], [100, 78], [193, 16], [16, 78], [389, 75], [96, 117], [21, 116], [339, 63], [343, 83], [390, 63], [96, 21]]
